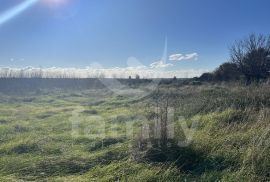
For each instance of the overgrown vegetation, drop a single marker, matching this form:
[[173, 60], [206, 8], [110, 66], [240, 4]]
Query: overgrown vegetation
[[230, 141]]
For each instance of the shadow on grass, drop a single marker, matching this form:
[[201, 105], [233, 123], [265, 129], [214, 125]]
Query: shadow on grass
[[100, 144], [68, 166], [3, 121], [91, 112], [46, 115], [25, 148], [56, 167], [186, 159]]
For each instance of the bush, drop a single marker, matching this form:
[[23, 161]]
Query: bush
[[207, 77], [227, 72]]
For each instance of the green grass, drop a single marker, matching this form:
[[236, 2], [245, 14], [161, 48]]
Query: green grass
[[231, 142]]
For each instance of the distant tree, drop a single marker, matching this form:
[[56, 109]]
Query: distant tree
[[252, 56], [226, 72], [114, 76], [137, 77], [101, 76]]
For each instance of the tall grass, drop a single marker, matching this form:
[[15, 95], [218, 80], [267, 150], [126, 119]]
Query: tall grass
[[231, 142]]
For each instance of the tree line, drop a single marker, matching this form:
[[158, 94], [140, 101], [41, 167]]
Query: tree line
[[249, 61]]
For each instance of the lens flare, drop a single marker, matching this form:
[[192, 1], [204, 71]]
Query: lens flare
[[13, 12]]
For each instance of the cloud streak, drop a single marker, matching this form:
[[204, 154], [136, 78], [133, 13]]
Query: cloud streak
[[160, 64], [184, 57]]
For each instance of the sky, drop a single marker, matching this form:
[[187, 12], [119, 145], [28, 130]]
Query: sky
[[114, 34]]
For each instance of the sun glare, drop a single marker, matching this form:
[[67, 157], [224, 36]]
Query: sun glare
[[55, 3]]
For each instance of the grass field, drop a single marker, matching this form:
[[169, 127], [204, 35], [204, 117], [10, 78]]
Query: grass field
[[62, 135]]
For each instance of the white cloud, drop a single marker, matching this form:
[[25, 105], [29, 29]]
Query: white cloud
[[182, 57], [160, 64], [192, 56]]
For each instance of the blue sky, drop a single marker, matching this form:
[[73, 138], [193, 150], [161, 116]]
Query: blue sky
[[78, 33]]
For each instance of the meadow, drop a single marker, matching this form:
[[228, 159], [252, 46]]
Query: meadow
[[84, 135]]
